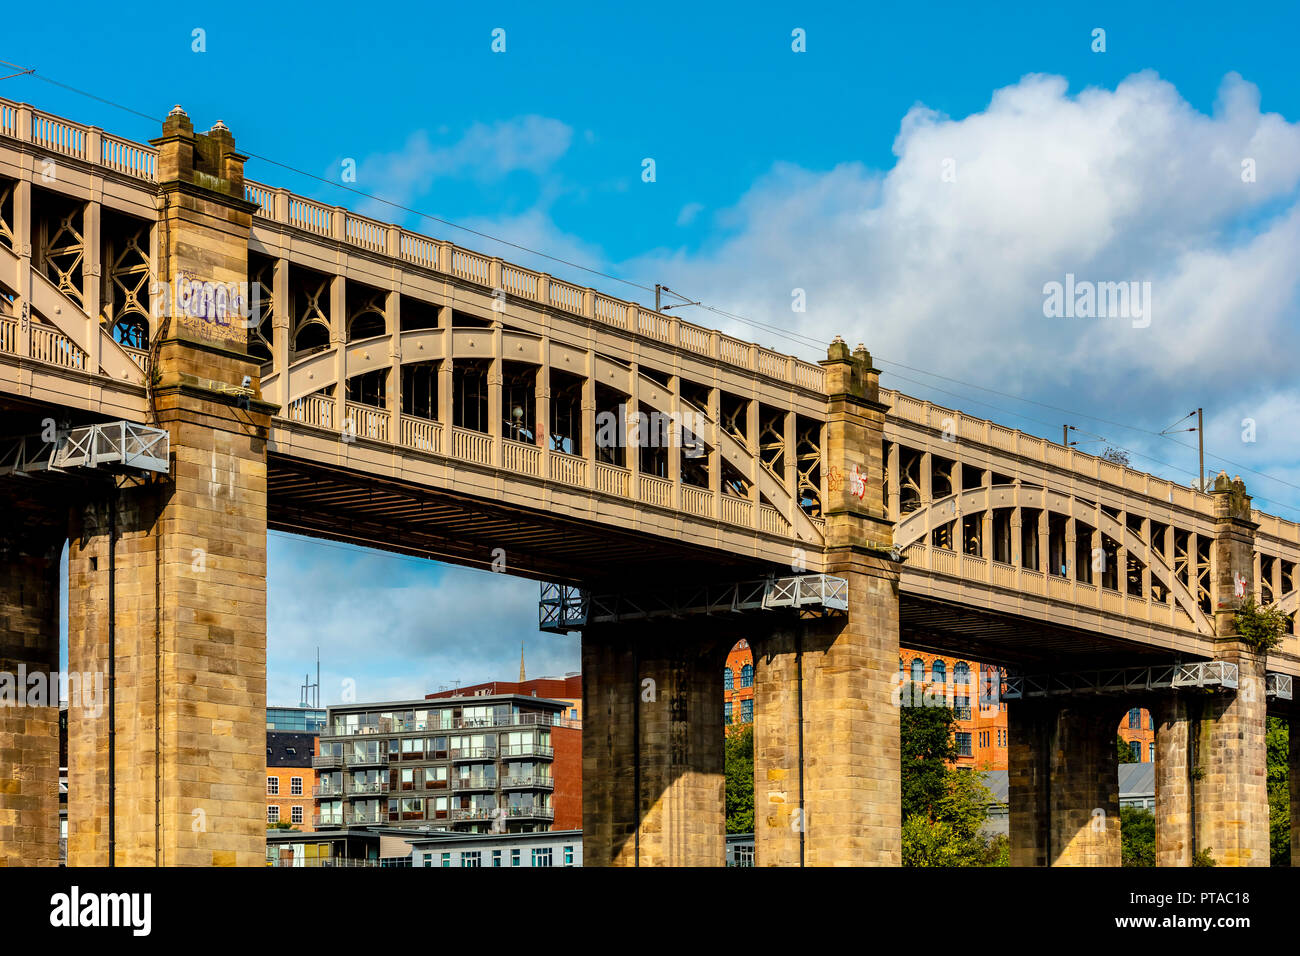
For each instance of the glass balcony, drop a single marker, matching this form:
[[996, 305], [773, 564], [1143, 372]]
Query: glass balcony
[[475, 753], [528, 750], [535, 813], [327, 790], [367, 787], [472, 814], [474, 783], [529, 781], [368, 758]]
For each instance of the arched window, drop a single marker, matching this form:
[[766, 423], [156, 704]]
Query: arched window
[[728, 681], [961, 686], [747, 676], [918, 671], [939, 671]]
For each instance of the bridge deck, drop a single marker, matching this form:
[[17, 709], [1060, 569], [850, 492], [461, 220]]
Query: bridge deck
[[985, 516]]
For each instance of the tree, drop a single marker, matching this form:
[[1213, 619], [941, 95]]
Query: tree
[[738, 766], [927, 750], [1137, 828], [1123, 753], [1279, 792], [944, 808]]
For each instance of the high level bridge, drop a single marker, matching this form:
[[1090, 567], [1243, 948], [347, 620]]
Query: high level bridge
[[279, 363]]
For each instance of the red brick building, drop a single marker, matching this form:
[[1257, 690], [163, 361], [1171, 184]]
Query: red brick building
[[738, 687], [290, 779], [1139, 733]]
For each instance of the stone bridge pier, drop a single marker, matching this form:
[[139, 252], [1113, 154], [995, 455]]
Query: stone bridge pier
[[32, 532], [167, 577], [826, 747]]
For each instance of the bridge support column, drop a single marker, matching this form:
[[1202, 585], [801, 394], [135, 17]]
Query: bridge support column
[[1174, 783], [181, 762], [31, 539], [826, 746], [1231, 752], [1230, 772], [1063, 786], [652, 774]]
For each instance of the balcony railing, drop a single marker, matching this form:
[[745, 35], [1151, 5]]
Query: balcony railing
[[389, 726], [527, 750], [471, 815], [327, 790], [327, 820], [327, 760], [367, 759], [537, 813], [473, 783], [368, 787], [530, 781], [474, 753]]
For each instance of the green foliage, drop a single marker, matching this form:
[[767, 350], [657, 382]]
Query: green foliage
[[928, 747], [738, 765], [1260, 626], [1137, 828], [1203, 858], [1122, 752], [944, 809], [1279, 793]]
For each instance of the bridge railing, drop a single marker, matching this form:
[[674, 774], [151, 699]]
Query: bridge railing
[[523, 458], [91, 145], [1026, 581], [955, 423], [335, 222]]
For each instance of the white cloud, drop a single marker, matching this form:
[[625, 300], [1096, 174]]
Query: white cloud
[[1110, 185], [486, 152]]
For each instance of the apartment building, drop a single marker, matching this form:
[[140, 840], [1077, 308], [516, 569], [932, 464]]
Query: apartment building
[[479, 764]]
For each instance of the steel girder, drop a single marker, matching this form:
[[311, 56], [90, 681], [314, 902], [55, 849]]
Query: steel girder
[[565, 607], [1207, 675], [119, 444]]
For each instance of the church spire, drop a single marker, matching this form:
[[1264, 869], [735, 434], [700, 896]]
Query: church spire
[[521, 662]]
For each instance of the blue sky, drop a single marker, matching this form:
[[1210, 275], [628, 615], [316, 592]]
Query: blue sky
[[777, 170]]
